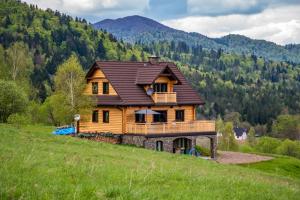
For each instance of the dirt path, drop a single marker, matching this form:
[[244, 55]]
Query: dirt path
[[228, 157]]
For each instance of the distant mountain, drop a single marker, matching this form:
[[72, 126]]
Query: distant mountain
[[136, 28], [141, 29]]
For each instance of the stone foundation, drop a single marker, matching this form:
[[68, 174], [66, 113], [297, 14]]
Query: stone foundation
[[150, 142], [134, 140]]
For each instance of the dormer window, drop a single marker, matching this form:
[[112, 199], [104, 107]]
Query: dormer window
[[94, 87], [160, 87], [105, 88]]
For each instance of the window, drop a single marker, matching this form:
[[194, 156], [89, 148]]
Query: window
[[159, 146], [162, 117], [95, 87], [105, 116], [95, 116], [160, 87], [179, 115], [105, 88], [140, 118]]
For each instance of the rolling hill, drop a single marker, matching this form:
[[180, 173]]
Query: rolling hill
[[38, 165], [141, 29]]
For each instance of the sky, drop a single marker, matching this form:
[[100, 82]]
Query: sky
[[273, 20]]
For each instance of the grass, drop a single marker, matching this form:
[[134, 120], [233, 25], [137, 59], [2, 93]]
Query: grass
[[38, 165], [281, 166]]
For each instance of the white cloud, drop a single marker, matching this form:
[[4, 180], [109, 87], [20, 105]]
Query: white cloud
[[94, 9], [280, 25]]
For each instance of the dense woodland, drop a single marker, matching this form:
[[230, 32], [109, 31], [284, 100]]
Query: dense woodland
[[51, 37], [38, 48], [256, 88]]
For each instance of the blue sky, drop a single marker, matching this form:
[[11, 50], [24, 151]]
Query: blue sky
[[273, 20]]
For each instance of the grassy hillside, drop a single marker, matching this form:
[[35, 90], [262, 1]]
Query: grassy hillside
[[38, 165], [281, 166]]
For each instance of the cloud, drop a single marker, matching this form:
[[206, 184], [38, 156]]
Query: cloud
[[280, 25], [94, 10], [227, 7], [274, 20]]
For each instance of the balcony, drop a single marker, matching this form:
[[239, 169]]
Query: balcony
[[164, 97], [200, 126]]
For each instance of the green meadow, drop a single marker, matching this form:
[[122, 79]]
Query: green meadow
[[34, 164]]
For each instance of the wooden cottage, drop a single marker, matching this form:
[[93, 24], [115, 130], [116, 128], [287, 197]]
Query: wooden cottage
[[148, 104]]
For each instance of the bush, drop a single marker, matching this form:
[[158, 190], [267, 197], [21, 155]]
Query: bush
[[245, 148], [18, 119], [12, 99], [267, 145], [203, 151], [289, 148]]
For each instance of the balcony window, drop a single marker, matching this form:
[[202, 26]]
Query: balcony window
[[94, 87], [105, 88], [162, 117], [160, 87], [179, 115], [95, 116], [140, 118], [105, 116]]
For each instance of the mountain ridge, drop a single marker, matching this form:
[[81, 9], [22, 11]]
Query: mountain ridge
[[141, 29]]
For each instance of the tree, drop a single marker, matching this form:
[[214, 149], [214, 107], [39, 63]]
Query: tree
[[56, 111], [12, 99], [133, 58], [233, 117], [251, 137], [69, 84], [19, 60], [228, 141], [3, 66], [287, 126]]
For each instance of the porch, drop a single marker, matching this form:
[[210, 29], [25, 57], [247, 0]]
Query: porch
[[197, 126]]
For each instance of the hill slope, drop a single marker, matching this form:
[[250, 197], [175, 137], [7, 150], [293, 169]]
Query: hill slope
[[38, 165], [53, 36], [142, 29]]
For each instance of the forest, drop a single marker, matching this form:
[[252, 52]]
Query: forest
[[258, 89]]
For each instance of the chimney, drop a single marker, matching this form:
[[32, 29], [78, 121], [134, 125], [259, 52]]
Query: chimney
[[153, 60]]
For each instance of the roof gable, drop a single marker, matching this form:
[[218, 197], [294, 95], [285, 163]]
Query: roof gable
[[148, 74]]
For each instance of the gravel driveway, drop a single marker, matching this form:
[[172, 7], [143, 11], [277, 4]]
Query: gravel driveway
[[229, 157]]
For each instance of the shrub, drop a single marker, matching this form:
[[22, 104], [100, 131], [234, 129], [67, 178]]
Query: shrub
[[289, 148], [18, 119], [267, 145], [203, 151], [12, 99], [245, 148]]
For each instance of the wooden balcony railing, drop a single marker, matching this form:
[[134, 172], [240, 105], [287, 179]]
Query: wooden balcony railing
[[164, 97], [172, 127]]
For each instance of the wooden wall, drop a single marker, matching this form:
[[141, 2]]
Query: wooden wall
[[99, 77], [119, 117], [114, 125]]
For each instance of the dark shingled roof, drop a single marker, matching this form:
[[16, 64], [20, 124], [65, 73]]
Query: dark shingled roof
[[239, 131], [146, 75], [109, 100], [125, 78]]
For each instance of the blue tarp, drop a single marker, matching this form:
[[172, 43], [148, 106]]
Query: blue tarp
[[64, 131]]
